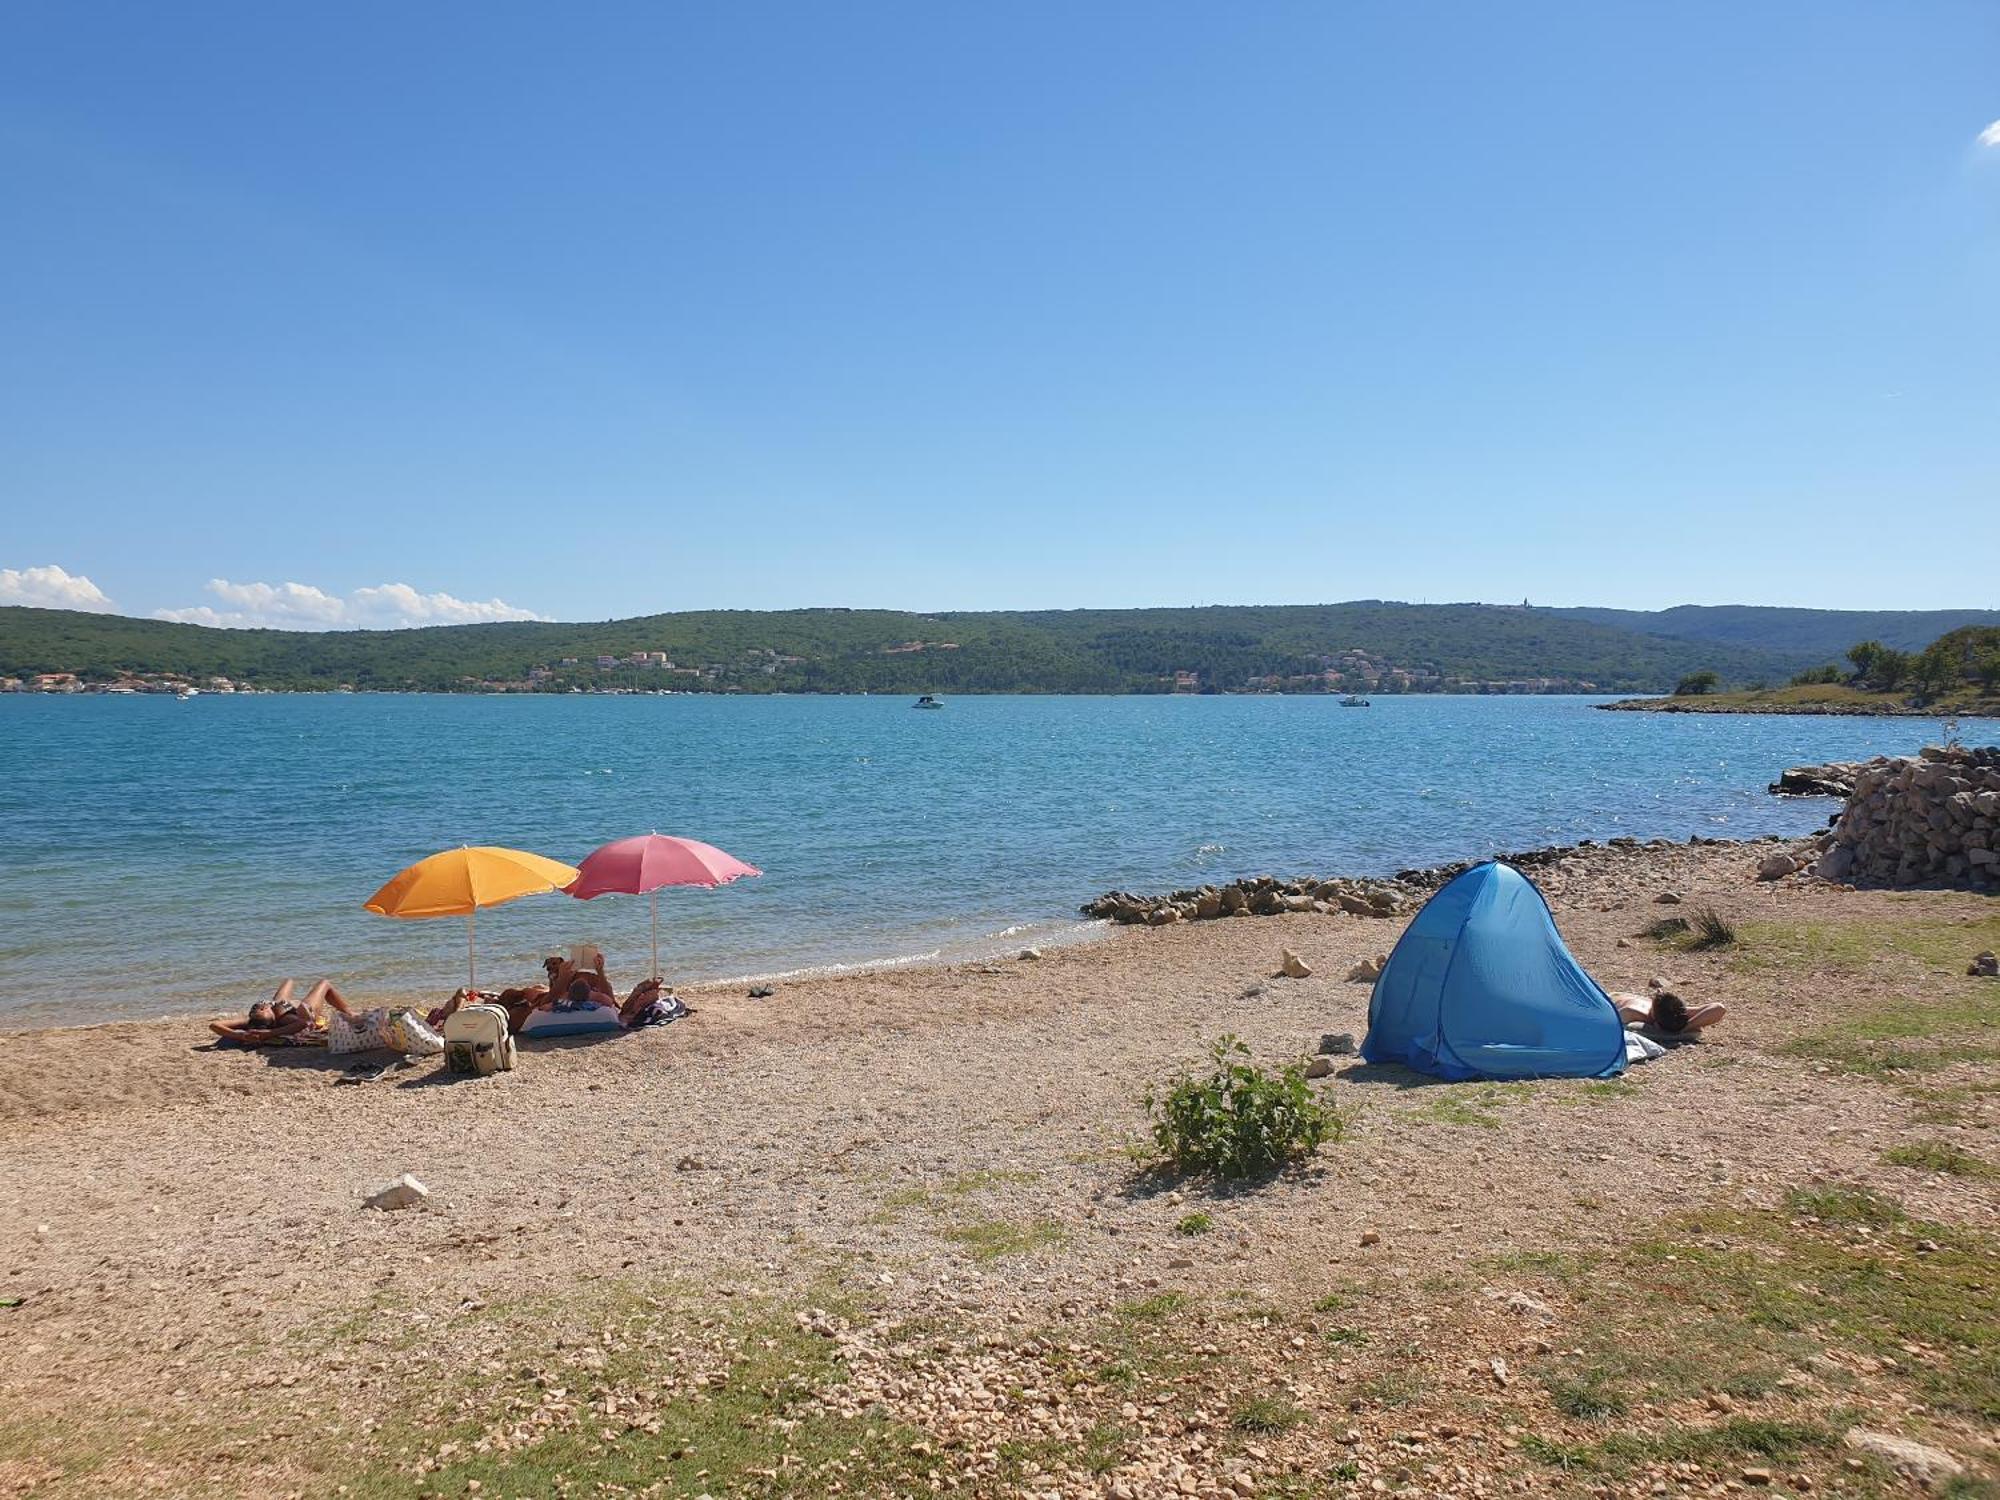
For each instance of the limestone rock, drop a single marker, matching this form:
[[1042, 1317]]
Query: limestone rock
[[1776, 867], [1367, 971], [1292, 966], [1320, 1067], [404, 1192], [1986, 966], [1920, 1462]]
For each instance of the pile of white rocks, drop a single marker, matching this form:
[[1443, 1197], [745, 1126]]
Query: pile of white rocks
[[1932, 819]]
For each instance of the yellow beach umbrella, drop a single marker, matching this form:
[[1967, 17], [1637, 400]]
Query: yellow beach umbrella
[[457, 882]]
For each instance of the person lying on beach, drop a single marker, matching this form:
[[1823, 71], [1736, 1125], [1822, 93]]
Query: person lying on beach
[[285, 1021], [650, 1004], [524, 1000], [1665, 1013]]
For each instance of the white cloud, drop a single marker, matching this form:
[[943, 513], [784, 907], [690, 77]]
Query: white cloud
[[300, 606], [1990, 136], [51, 588]]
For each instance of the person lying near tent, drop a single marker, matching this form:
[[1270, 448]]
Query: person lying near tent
[[286, 1021], [1663, 1013]]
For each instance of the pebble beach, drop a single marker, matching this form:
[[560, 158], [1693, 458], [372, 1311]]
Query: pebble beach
[[918, 1193]]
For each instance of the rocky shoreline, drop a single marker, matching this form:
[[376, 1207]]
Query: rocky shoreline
[[1373, 896]]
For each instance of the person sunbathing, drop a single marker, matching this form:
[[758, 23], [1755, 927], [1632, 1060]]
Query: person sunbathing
[[285, 1020], [646, 994], [1665, 1013]]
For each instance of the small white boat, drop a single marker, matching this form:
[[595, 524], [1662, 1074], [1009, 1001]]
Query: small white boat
[[1353, 700], [186, 693], [927, 701]]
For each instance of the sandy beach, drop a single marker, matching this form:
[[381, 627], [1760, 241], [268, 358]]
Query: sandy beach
[[886, 1234]]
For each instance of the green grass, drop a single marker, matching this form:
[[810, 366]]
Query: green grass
[[1940, 1156], [1852, 946], [1904, 1040], [995, 1239], [754, 1430], [1266, 1415], [1467, 1104], [1194, 1223], [1346, 1337], [1844, 1205], [936, 1198], [1599, 1090], [1730, 1300], [1154, 1309], [1588, 1394]]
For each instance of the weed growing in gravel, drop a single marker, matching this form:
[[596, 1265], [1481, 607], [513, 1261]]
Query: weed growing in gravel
[[1940, 1156], [993, 1239], [1266, 1415], [1239, 1121], [1843, 1205], [1588, 1394], [1462, 1104], [1154, 1308], [1194, 1223]]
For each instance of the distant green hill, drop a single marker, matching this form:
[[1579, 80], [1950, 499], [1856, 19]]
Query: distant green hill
[[1819, 634], [1449, 647]]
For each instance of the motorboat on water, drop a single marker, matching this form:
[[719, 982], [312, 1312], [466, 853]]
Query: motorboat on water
[[927, 701], [1354, 700]]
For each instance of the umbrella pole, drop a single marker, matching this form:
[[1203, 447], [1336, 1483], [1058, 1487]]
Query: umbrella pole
[[656, 935], [471, 965]]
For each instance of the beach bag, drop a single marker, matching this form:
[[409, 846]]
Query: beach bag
[[410, 1034], [476, 1040]]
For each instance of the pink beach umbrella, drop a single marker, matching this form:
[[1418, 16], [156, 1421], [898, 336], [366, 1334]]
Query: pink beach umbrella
[[641, 866]]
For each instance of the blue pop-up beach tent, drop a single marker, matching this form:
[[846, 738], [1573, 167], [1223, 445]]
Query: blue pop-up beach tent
[[1481, 986]]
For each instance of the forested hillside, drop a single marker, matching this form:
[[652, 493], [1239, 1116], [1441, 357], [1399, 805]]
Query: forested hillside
[[1808, 632], [1372, 644]]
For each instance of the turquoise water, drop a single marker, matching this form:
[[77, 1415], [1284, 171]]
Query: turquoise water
[[163, 857]]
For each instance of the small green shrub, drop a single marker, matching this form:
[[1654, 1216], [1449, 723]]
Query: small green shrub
[[1667, 927], [1239, 1120], [1194, 1223]]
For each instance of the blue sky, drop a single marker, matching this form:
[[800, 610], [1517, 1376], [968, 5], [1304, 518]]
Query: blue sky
[[376, 312]]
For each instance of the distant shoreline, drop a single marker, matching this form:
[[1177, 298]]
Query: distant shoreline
[[1772, 704]]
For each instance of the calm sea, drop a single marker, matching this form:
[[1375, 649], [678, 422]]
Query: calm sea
[[165, 857]]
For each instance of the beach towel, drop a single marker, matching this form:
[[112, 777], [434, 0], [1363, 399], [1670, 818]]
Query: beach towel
[[660, 1011]]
